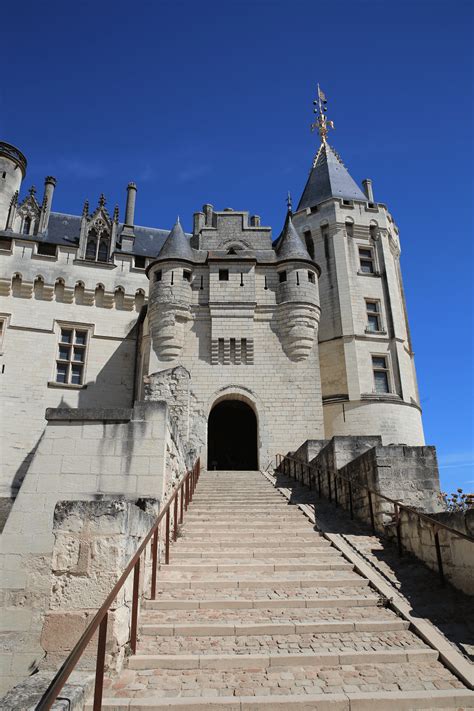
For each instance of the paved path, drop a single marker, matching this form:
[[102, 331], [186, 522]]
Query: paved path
[[257, 610]]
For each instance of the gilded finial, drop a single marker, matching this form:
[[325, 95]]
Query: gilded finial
[[321, 124]]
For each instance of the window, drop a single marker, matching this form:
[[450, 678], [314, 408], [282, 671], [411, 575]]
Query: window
[[281, 277], [349, 229], [186, 275], [366, 257], [6, 244], [46, 250], [311, 277], [91, 249], [103, 252], [26, 226], [4, 175], [3, 327], [71, 358], [97, 249], [309, 243], [374, 319], [158, 275], [381, 374], [223, 275], [140, 262]]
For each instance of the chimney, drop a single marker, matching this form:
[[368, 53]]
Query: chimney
[[130, 208], [49, 185], [367, 184], [208, 211], [198, 223], [255, 221]]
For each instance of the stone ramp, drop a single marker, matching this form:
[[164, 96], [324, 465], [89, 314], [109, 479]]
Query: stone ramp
[[257, 610]]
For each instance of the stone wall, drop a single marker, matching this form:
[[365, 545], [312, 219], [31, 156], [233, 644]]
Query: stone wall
[[83, 455]]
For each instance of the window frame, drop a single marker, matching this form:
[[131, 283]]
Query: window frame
[[386, 369], [371, 259], [377, 313], [224, 275], [5, 320], [46, 256], [69, 362], [282, 276]]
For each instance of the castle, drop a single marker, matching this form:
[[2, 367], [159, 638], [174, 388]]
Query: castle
[[147, 347]]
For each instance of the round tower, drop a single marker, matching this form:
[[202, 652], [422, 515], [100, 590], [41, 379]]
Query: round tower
[[12, 172]]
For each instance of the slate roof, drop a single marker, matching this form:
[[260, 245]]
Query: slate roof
[[177, 245], [65, 229], [329, 178], [289, 245]]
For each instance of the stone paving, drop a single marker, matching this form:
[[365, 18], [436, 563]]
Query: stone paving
[[240, 615]]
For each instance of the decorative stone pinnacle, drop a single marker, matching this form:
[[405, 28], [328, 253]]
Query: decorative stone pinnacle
[[14, 199], [321, 123], [32, 191], [102, 200], [116, 213], [85, 209]]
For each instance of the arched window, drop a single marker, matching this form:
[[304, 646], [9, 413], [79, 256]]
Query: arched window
[[27, 225], [103, 253], [91, 248]]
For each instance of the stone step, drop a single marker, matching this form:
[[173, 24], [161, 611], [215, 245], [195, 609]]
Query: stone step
[[327, 580], [169, 574], [256, 537], [264, 545], [449, 700], [279, 661], [274, 513], [213, 528], [274, 616], [412, 685], [257, 556], [349, 600], [243, 567], [212, 629]]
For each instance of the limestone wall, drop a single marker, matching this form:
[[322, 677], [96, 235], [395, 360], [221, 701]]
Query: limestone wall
[[83, 455]]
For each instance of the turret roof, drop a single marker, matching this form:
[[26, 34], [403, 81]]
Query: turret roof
[[289, 244], [329, 178], [177, 245]]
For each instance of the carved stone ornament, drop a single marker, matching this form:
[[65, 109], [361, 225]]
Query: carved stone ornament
[[298, 329]]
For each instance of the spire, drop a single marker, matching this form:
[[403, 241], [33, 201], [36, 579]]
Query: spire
[[289, 244], [329, 177], [176, 245]]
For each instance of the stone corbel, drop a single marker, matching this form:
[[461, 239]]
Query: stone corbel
[[109, 299], [48, 292], [5, 287]]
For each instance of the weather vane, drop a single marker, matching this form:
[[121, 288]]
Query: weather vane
[[321, 124]]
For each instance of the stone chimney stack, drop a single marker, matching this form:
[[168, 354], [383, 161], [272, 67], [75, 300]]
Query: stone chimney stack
[[49, 185], [367, 184], [130, 208]]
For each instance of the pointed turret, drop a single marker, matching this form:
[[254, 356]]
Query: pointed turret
[[329, 178], [176, 245], [289, 244]]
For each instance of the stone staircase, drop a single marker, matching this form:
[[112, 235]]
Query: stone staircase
[[257, 610]]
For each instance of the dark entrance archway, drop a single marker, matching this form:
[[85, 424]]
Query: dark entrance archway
[[232, 436]]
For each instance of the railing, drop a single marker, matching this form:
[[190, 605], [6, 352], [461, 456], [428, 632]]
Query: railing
[[339, 486], [180, 500]]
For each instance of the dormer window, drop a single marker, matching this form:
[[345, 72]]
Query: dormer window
[[103, 252], [26, 226], [97, 249]]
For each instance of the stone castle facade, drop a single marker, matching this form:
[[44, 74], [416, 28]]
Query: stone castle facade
[[98, 313], [128, 351]]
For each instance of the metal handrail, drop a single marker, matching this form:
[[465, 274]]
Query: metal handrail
[[181, 498], [398, 505]]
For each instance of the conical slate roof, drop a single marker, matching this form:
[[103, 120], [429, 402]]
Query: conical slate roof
[[329, 178], [176, 245], [289, 244]]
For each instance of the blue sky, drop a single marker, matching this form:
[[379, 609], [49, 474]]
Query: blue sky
[[211, 102]]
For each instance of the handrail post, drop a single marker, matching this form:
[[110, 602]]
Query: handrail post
[[336, 501], [133, 625], [398, 524], [154, 564], [175, 518], [167, 537], [181, 502], [438, 557], [100, 664], [351, 509], [329, 487], [186, 492], [371, 509]]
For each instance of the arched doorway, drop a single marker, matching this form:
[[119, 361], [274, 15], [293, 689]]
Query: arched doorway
[[232, 436]]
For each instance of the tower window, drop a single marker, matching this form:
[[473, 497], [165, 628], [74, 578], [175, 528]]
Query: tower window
[[311, 277], [71, 358], [366, 258], [309, 243], [223, 275], [4, 175], [373, 316], [158, 275], [282, 277], [381, 374], [140, 262], [186, 275]]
